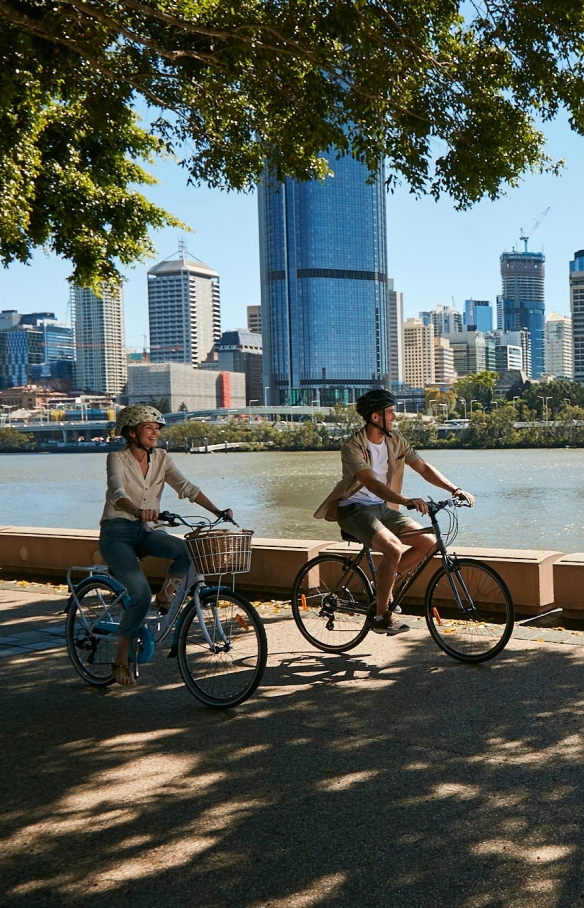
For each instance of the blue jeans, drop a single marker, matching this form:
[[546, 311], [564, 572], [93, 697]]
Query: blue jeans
[[119, 542]]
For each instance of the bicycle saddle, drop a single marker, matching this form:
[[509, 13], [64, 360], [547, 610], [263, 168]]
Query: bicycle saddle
[[348, 538]]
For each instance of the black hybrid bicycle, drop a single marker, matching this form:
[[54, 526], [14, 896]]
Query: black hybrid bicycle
[[467, 605]]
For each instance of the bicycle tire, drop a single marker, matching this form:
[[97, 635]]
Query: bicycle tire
[[230, 674], [331, 603], [91, 630], [480, 631]]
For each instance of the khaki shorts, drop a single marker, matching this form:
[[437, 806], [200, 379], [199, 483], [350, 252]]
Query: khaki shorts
[[363, 521]]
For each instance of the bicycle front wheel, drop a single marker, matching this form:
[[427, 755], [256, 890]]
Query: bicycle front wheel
[[331, 598], [92, 629], [469, 611], [227, 671]]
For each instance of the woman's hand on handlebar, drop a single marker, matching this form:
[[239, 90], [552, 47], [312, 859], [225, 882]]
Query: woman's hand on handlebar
[[147, 515], [227, 514]]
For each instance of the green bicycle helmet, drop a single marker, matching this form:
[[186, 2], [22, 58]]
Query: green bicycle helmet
[[131, 416]]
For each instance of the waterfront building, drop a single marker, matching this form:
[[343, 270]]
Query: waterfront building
[[254, 319], [395, 333], [444, 371], [323, 265], [559, 352], [183, 310], [577, 312], [183, 388], [522, 303], [419, 362], [478, 314], [240, 351], [99, 340]]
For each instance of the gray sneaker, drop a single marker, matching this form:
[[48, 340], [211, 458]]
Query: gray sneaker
[[388, 625], [397, 610]]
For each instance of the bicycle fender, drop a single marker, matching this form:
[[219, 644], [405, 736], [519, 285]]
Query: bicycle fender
[[102, 578]]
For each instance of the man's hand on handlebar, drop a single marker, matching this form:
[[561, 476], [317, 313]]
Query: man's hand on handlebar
[[418, 504], [465, 496]]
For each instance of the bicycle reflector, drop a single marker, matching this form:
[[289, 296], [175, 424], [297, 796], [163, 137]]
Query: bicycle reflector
[[303, 603], [243, 622]]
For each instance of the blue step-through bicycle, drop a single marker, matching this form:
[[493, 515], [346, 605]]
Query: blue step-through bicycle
[[218, 637]]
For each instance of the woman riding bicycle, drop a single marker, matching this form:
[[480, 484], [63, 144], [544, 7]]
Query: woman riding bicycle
[[136, 477]]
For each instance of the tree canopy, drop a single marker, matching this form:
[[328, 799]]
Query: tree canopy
[[452, 102]]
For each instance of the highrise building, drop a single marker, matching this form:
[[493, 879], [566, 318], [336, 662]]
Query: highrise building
[[419, 362], [240, 351], [445, 373], [577, 311], [470, 351], [183, 310], [323, 263], [446, 319], [395, 330], [523, 300], [559, 351], [254, 319], [99, 340], [478, 314]]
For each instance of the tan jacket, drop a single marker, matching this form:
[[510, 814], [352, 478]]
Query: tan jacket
[[356, 456]]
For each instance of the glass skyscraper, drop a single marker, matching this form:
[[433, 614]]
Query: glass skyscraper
[[523, 300], [323, 261]]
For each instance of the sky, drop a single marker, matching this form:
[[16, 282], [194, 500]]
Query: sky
[[435, 254]]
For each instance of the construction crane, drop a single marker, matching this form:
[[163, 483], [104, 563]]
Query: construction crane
[[525, 237]]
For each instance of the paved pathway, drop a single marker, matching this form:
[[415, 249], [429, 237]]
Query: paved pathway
[[389, 777]]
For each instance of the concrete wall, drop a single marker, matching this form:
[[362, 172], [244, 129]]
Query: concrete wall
[[537, 579]]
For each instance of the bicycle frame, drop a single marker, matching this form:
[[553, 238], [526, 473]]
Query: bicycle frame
[[156, 627], [438, 548]]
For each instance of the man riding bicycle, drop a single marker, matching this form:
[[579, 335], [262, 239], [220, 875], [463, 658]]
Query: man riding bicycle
[[366, 501]]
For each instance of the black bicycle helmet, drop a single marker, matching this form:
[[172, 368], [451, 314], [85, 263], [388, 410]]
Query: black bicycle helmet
[[374, 402]]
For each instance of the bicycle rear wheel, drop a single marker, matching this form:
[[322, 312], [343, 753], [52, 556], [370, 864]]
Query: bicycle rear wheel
[[92, 629], [469, 610], [230, 671], [331, 598]]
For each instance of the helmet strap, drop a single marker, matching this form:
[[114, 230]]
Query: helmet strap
[[379, 426]]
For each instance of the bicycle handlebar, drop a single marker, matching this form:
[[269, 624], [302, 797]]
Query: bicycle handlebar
[[435, 506], [175, 520]]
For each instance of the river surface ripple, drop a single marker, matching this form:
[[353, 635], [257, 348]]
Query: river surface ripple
[[526, 499]]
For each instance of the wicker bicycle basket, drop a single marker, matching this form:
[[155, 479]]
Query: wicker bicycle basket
[[220, 551]]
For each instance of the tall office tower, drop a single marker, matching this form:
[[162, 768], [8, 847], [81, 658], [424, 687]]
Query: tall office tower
[[523, 299], [444, 373], [323, 264], [559, 351], [445, 319], [395, 331], [183, 310], [577, 311], [478, 314], [254, 319], [419, 362], [99, 340]]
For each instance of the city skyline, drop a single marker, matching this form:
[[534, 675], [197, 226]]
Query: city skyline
[[435, 255]]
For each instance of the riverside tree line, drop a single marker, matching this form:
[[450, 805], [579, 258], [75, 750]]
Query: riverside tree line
[[538, 415]]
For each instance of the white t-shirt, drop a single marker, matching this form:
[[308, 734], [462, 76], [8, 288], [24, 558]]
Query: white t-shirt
[[379, 465]]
